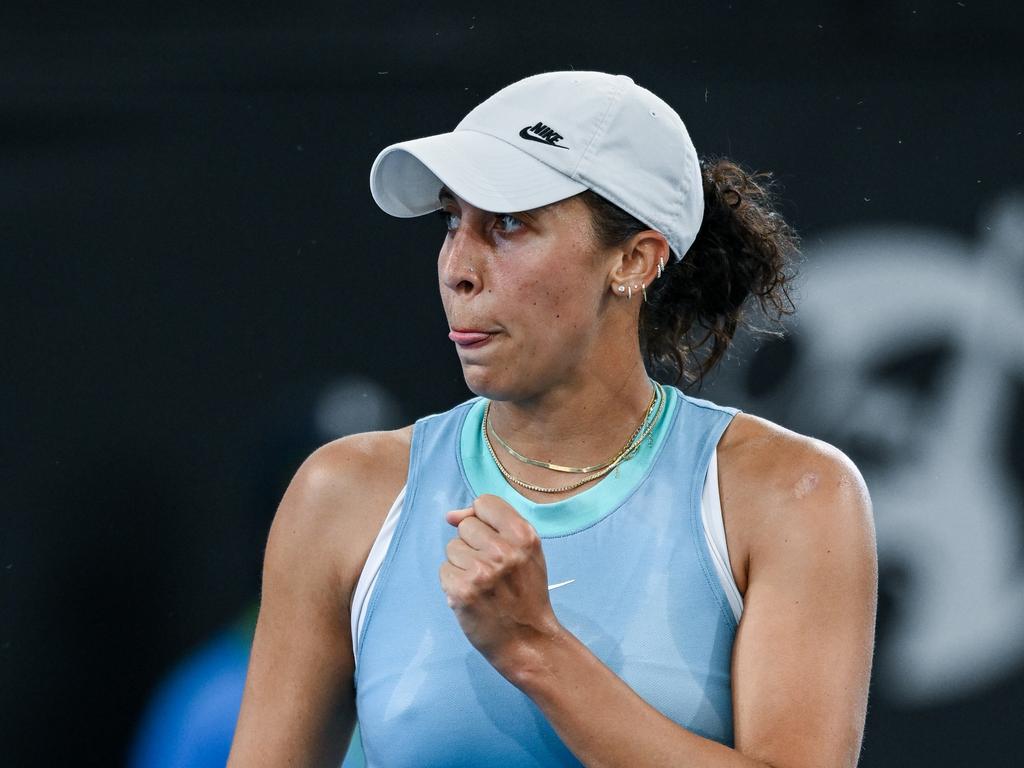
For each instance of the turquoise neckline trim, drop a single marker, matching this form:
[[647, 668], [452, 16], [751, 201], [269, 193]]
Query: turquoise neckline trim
[[574, 514]]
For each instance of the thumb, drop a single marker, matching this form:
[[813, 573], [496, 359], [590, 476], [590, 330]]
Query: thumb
[[456, 516]]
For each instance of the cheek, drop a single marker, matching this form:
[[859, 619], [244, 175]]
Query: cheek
[[571, 293], [553, 287], [539, 296], [557, 308]]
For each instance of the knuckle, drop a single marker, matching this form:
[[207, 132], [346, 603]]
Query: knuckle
[[502, 554], [456, 591], [526, 537], [518, 557], [444, 576], [482, 575]]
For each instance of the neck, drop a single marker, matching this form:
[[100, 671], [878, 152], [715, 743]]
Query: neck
[[581, 421]]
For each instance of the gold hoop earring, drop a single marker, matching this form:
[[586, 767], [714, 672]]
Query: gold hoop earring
[[644, 289], [629, 292]]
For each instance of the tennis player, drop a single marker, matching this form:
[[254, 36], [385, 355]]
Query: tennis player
[[580, 565]]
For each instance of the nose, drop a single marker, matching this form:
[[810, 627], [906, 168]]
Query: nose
[[457, 263]]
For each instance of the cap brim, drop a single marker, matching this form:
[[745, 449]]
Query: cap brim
[[482, 170]]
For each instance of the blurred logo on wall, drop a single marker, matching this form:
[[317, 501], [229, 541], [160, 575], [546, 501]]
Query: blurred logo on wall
[[907, 352]]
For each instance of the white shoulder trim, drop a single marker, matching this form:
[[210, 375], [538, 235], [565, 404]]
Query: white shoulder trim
[[371, 569], [714, 532]]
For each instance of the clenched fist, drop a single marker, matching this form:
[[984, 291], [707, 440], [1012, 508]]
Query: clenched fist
[[496, 581]]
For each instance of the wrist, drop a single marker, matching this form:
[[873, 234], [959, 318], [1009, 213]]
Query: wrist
[[538, 658]]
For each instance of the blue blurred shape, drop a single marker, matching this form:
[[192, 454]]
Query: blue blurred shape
[[191, 719]]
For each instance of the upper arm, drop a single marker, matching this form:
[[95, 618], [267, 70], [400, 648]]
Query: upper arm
[[803, 650], [299, 706]]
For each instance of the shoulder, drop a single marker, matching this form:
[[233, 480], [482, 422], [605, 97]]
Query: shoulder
[[335, 504], [364, 458], [787, 495], [784, 462]]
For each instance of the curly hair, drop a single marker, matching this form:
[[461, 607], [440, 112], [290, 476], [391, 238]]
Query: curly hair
[[743, 256]]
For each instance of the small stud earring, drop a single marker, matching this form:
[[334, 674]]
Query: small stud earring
[[622, 289]]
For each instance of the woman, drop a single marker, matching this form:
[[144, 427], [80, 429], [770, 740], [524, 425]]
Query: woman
[[551, 573]]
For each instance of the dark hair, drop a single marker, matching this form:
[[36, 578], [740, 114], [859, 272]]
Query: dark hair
[[744, 254]]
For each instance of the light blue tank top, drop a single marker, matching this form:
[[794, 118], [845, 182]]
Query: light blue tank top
[[644, 599]]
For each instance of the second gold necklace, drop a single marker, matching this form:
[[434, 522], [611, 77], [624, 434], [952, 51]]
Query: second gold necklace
[[623, 455], [575, 470]]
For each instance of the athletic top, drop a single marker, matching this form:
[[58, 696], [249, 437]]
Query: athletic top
[[640, 590], [710, 514]]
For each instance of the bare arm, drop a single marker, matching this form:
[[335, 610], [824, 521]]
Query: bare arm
[[802, 654], [299, 704]]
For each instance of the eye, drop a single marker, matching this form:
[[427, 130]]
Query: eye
[[451, 220], [508, 222]]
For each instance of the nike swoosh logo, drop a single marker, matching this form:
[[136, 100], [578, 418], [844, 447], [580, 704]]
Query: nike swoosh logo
[[560, 584], [524, 135]]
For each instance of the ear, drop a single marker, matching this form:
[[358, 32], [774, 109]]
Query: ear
[[639, 264]]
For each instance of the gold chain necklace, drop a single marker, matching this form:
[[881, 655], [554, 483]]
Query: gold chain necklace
[[623, 455], [575, 470]]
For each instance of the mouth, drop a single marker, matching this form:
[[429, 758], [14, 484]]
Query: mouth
[[470, 338]]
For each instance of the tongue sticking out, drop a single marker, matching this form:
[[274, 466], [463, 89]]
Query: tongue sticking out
[[460, 337]]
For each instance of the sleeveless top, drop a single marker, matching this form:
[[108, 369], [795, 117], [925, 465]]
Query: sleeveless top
[[641, 595]]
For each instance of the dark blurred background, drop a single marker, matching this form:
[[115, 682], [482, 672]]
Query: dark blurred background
[[197, 290]]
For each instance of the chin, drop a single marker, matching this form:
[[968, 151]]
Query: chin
[[480, 380], [492, 382], [500, 384]]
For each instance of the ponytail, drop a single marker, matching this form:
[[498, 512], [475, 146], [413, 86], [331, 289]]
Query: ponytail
[[743, 255]]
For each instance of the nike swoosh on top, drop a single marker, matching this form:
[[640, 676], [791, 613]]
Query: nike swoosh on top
[[523, 134], [560, 584]]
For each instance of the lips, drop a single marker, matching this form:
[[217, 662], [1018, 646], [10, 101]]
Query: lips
[[465, 337]]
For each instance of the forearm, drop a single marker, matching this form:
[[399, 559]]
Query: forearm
[[602, 720]]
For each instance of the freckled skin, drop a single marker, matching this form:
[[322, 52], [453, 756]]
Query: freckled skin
[[574, 384], [521, 276]]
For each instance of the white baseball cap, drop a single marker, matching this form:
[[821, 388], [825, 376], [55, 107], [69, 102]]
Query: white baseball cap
[[548, 137]]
